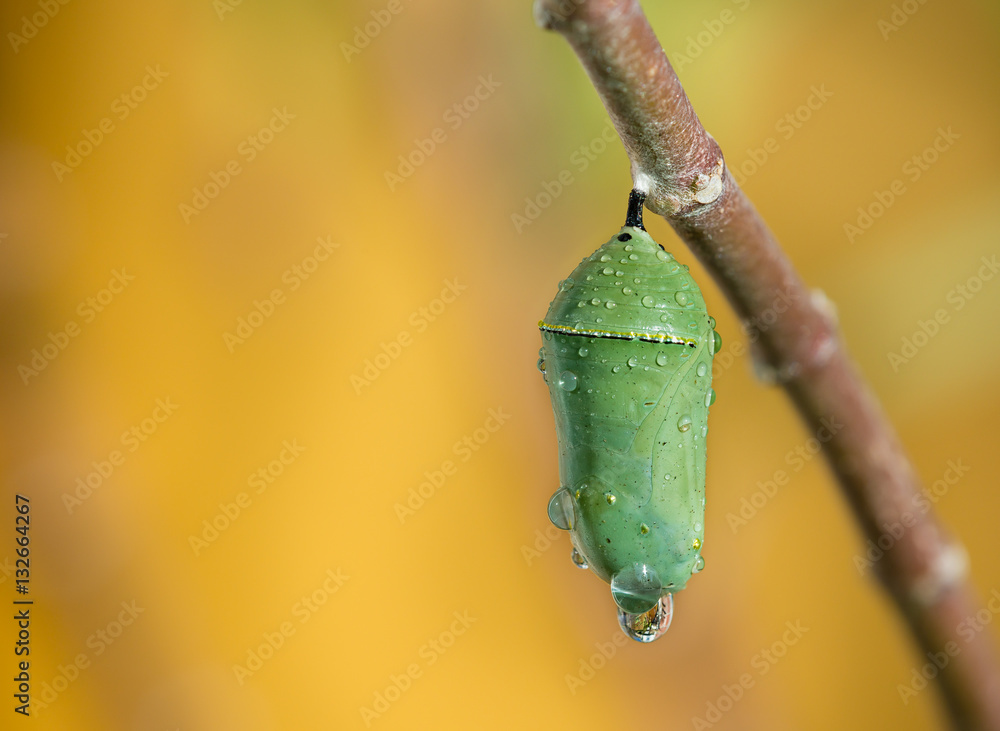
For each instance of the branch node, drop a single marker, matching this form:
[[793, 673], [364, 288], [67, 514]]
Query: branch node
[[948, 571]]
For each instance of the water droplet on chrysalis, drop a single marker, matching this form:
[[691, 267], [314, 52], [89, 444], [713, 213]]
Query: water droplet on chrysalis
[[567, 381], [661, 359], [699, 565], [702, 369], [561, 509], [682, 298], [578, 560], [636, 588], [684, 423], [648, 301], [650, 625], [716, 342], [632, 361], [583, 352]]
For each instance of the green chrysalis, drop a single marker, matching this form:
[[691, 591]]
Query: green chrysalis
[[627, 348]]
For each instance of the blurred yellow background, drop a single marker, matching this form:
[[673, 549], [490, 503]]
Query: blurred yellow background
[[270, 277]]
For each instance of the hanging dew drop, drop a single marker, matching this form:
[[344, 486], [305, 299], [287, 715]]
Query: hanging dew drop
[[699, 565], [650, 625], [636, 588], [561, 509], [578, 560]]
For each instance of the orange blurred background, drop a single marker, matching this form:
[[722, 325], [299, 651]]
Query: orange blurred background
[[270, 277]]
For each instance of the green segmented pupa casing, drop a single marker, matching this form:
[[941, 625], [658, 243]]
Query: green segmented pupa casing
[[627, 348]]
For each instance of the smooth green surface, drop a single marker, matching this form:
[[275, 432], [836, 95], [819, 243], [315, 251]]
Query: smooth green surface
[[631, 415]]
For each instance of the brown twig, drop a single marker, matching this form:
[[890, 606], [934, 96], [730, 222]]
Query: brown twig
[[681, 168]]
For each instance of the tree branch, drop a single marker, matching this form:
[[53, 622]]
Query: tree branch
[[681, 169]]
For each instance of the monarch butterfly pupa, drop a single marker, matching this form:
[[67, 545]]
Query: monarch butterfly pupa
[[627, 348]]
